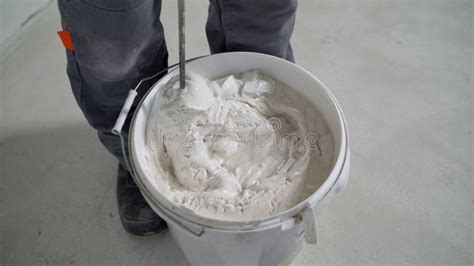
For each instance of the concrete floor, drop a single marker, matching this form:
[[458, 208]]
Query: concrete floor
[[402, 71], [16, 13]]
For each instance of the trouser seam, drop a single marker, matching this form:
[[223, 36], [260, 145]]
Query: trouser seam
[[67, 28], [224, 14]]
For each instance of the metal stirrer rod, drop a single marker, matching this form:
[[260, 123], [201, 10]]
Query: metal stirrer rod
[[182, 56]]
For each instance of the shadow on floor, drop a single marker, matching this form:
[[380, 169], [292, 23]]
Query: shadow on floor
[[57, 203]]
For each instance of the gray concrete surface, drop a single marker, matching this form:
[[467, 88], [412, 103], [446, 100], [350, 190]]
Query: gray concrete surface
[[15, 13], [402, 71]]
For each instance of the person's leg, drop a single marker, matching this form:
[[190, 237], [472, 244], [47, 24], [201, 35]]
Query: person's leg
[[263, 26], [117, 43]]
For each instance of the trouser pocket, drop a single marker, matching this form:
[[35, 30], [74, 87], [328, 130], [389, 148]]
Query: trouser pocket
[[115, 40]]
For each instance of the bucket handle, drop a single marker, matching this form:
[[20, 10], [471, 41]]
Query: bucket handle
[[132, 94], [117, 129]]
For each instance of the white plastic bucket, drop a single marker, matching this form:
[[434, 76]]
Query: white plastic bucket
[[268, 241]]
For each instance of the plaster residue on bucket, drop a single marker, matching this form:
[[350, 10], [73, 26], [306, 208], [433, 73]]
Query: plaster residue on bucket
[[239, 148]]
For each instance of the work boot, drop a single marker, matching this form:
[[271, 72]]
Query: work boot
[[136, 215]]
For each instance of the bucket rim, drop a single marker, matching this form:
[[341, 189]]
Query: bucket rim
[[179, 213]]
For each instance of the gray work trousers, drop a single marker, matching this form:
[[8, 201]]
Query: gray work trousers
[[119, 42]]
